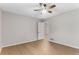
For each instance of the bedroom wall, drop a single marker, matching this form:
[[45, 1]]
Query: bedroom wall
[[64, 28], [17, 29], [0, 27]]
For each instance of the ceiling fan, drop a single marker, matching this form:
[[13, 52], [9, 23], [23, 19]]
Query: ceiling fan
[[46, 6]]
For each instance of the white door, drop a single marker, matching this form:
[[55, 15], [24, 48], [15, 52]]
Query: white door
[[41, 30]]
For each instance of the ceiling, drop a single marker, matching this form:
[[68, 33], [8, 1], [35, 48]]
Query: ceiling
[[26, 9]]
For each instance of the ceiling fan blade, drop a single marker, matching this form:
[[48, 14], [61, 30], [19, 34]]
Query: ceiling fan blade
[[49, 11], [37, 9], [52, 6]]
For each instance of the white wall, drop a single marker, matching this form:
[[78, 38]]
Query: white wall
[[0, 27], [64, 28], [17, 29]]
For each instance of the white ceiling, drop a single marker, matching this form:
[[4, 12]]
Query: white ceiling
[[26, 9]]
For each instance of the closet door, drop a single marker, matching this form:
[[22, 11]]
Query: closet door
[[41, 30]]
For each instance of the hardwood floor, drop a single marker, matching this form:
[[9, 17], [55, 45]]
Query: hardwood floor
[[0, 50], [41, 47]]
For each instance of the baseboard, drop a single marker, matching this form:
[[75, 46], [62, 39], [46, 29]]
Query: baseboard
[[62, 43], [3, 46]]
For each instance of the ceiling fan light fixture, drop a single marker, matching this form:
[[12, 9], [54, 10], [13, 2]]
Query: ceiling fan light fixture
[[44, 5], [44, 11]]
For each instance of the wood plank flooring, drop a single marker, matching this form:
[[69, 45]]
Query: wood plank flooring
[[41, 47], [0, 50]]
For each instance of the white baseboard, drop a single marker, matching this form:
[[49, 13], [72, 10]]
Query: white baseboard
[[17, 43], [62, 43]]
